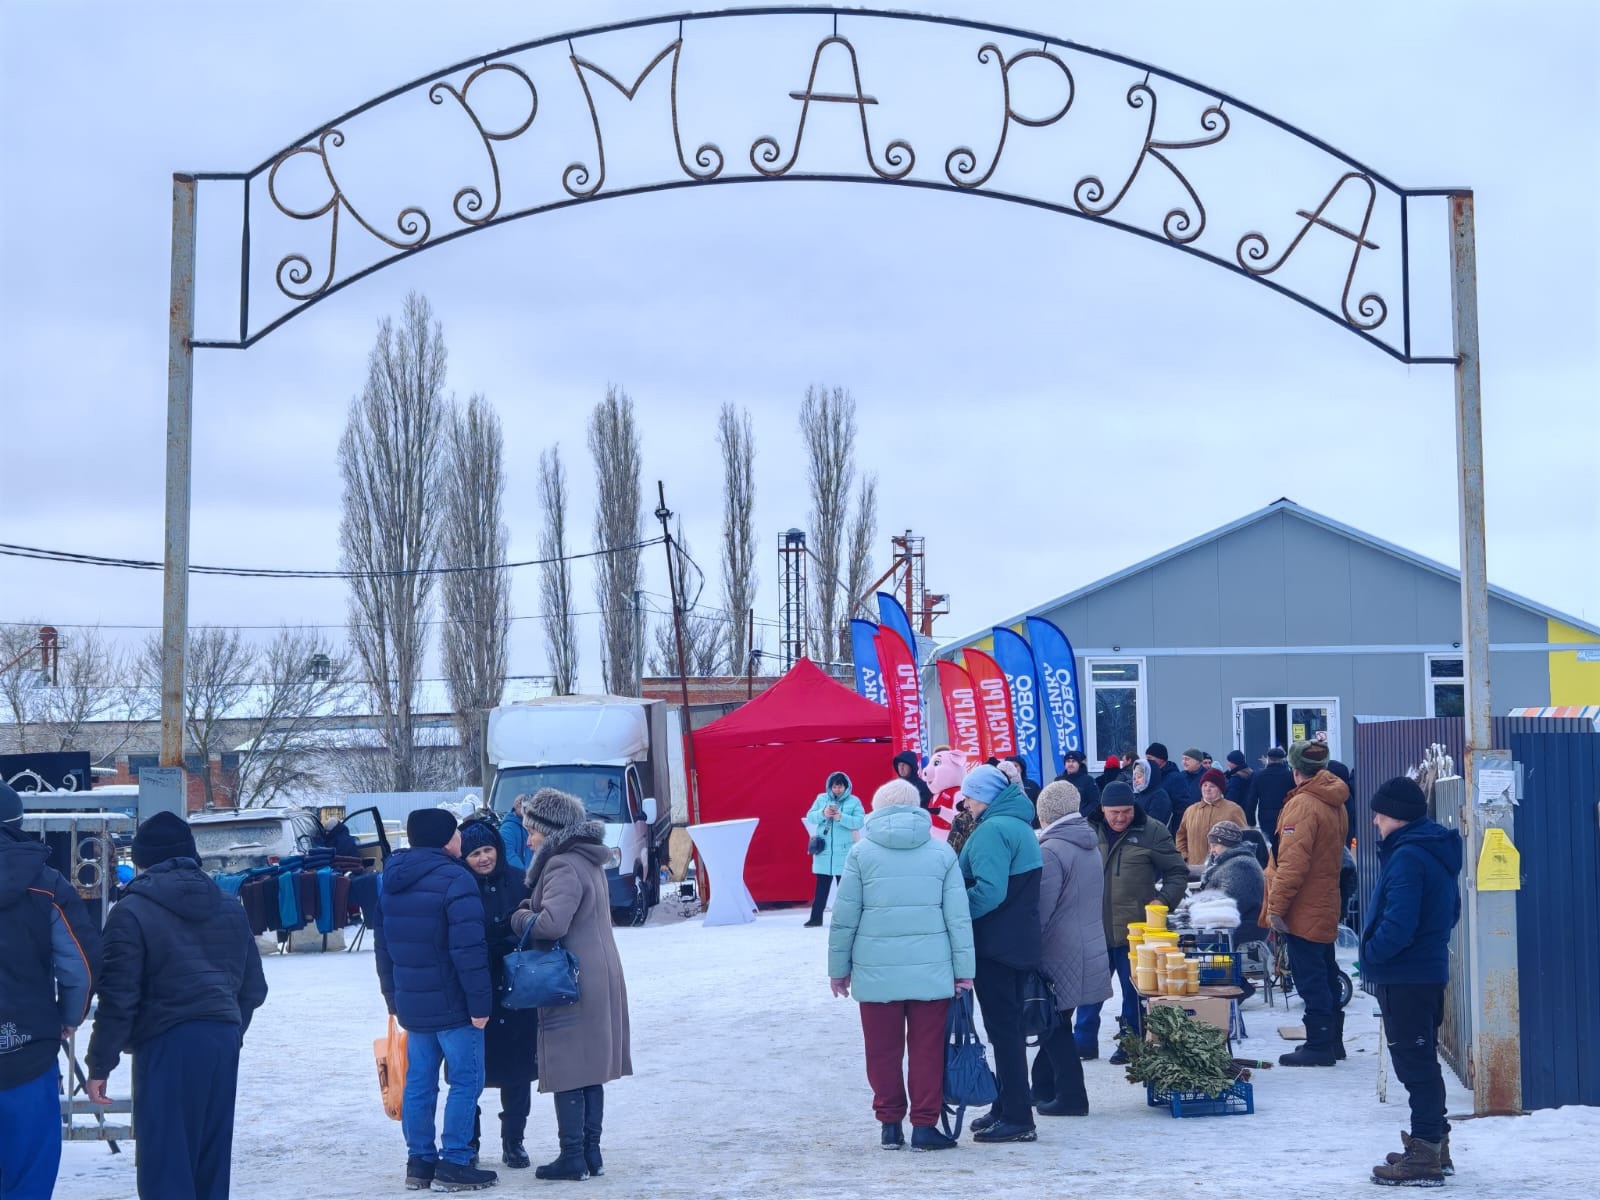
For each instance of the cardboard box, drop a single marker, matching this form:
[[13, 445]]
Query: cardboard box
[[1209, 1010]]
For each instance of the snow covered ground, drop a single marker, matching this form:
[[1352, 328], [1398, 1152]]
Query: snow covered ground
[[750, 1084]]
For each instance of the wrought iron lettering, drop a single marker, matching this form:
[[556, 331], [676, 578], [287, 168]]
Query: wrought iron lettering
[[962, 162], [1371, 310], [765, 151], [468, 202], [1178, 225]]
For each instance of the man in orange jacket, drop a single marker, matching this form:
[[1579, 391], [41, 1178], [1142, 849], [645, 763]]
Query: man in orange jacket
[[1303, 898]]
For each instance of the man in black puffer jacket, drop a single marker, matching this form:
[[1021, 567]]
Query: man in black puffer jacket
[[48, 953], [180, 981], [433, 966]]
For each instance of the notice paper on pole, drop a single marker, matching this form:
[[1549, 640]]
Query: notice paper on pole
[[1496, 781], [1499, 863]]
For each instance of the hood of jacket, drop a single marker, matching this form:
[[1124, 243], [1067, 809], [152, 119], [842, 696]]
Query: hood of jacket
[[909, 757], [407, 868], [20, 859], [1431, 838], [1013, 802], [179, 886], [1325, 787], [898, 828], [1074, 828], [849, 787]]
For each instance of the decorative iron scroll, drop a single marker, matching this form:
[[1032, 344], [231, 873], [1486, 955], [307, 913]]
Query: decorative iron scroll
[[1237, 229]]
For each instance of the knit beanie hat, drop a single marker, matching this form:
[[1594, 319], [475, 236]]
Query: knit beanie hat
[[430, 828], [1010, 770], [1197, 755], [1226, 833], [984, 784], [1401, 799], [550, 811], [1308, 757], [1116, 794], [1113, 763], [1236, 757], [897, 793], [10, 804], [1157, 750], [164, 836], [475, 835], [1276, 753], [1057, 800], [1215, 776]]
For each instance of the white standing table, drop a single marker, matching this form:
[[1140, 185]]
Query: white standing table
[[723, 846]]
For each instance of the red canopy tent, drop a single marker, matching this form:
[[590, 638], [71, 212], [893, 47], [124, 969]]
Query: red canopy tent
[[772, 757]]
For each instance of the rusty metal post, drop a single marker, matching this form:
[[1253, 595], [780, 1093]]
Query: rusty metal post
[[180, 397], [664, 514], [1496, 1052]]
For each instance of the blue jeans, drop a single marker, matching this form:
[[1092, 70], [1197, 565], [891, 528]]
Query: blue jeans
[[461, 1050], [30, 1137], [1086, 1025]]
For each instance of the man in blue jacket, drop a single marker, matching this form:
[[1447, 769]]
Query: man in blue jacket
[[1405, 956], [1002, 866], [433, 965], [49, 951], [180, 980], [1165, 777]]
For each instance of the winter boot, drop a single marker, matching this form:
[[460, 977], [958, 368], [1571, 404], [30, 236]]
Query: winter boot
[[1007, 1131], [926, 1137], [594, 1114], [1318, 1049], [1338, 1035], [1417, 1167], [569, 1132], [1445, 1165], [454, 1177], [1061, 1108], [514, 1154], [419, 1175], [893, 1137], [987, 1121]]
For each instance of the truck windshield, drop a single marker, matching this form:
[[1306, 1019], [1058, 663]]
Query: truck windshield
[[600, 788]]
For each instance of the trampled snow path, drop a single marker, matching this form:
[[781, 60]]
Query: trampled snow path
[[750, 1084]]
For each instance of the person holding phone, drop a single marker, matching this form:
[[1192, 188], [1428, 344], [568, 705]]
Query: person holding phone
[[834, 817]]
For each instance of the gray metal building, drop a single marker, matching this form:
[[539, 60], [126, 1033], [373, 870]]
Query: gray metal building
[[1285, 623]]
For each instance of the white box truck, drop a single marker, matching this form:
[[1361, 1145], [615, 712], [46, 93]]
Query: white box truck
[[613, 753]]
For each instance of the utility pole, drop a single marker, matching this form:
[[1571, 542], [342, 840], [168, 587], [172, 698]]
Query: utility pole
[[638, 635], [750, 660], [180, 403], [1496, 1053], [664, 514]]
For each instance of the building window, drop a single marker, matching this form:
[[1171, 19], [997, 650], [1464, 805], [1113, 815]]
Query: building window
[[1446, 685], [1115, 701]]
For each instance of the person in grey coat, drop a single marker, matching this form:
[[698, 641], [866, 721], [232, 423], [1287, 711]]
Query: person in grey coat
[[1232, 868], [582, 1046], [1074, 960]]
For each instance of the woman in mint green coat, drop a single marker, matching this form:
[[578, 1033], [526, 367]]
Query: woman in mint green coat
[[834, 817], [902, 939]]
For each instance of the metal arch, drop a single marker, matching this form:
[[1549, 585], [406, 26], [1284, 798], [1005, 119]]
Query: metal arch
[[1179, 230]]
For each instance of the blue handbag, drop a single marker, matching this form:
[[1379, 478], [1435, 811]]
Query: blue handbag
[[967, 1078], [539, 978]]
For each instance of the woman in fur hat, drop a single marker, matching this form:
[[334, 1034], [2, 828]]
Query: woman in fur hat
[[582, 1046]]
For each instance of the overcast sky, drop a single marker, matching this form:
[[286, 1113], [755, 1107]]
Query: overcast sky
[[1046, 401]]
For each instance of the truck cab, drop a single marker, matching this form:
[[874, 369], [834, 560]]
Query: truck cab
[[608, 751]]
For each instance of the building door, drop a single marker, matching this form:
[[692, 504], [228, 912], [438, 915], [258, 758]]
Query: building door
[[1259, 723]]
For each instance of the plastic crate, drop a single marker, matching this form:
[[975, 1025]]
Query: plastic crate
[[1237, 1101]]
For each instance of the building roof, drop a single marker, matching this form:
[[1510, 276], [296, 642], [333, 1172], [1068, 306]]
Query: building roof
[[1281, 505]]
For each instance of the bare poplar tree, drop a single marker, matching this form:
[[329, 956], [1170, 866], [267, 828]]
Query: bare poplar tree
[[555, 574], [828, 430], [91, 702], [863, 533], [739, 582], [476, 593], [703, 634], [219, 667], [388, 459], [285, 744], [618, 528]]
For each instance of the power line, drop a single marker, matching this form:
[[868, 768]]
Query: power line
[[592, 612], [137, 564]]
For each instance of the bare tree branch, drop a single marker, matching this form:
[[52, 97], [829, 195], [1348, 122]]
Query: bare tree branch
[[618, 522], [555, 575], [306, 680], [739, 581], [828, 430], [863, 533], [388, 459], [92, 703], [218, 669], [703, 635], [477, 603]]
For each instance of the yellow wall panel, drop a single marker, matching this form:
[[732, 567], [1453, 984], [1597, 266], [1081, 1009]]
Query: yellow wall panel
[[1571, 681]]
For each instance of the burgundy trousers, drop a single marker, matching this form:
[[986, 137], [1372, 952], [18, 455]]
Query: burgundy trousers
[[891, 1030]]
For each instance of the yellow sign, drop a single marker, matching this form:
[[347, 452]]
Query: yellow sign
[[1299, 733], [1500, 865]]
